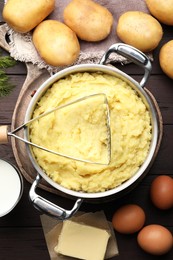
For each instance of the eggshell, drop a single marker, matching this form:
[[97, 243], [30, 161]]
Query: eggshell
[[161, 192], [155, 239], [128, 219]]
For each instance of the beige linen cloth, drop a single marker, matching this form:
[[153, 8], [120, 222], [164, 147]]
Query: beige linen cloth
[[22, 48]]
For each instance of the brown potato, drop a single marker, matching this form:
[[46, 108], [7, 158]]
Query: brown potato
[[89, 20], [162, 10], [24, 15], [56, 43], [140, 30], [166, 58]]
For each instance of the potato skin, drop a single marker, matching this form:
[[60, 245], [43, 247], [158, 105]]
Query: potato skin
[[56, 43], [162, 10], [166, 57], [140, 30], [89, 20], [24, 15]]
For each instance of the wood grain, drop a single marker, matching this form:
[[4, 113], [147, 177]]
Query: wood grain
[[21, 234]]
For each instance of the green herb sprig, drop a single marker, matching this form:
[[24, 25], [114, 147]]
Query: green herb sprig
[[5, 85]]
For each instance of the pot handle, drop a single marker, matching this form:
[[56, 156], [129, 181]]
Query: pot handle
[[48, 207], [132, 54]]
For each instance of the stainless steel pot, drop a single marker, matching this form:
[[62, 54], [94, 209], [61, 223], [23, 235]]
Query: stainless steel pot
[[141, 60]]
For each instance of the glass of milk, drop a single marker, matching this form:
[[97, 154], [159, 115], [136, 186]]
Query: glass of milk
[[11, 187]]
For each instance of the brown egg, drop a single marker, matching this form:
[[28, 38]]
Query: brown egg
[[155, 239], [161, 192], [128, 219]]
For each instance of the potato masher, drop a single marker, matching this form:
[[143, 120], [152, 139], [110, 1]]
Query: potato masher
[[105, 106]]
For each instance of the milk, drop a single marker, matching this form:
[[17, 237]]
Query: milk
[[10, 187]]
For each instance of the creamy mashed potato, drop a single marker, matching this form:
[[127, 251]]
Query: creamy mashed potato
[[80, 130]]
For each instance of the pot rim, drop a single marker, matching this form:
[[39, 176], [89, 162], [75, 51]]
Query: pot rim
[[135, 85]]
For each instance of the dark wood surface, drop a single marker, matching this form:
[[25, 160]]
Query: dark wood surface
[[21, 234]]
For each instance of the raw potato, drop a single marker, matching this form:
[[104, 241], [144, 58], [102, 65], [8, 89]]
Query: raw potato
[[56, 43], [24, 15], [140, 30], [91, 21], [162, 10], [166, 58]]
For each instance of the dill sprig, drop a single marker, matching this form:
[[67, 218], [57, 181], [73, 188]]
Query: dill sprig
[[5, 85]]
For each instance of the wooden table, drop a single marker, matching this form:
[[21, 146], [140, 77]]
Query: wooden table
[[21, 234]]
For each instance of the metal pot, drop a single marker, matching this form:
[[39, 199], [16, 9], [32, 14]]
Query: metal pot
[[141, 60]]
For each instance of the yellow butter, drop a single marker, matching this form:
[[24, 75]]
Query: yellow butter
[[82, 241]]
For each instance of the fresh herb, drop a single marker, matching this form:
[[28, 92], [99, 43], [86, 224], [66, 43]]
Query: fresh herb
[[5, 85]]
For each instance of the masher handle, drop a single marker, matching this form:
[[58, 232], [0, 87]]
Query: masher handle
[[132, 54], [48, 207], [3, 134]]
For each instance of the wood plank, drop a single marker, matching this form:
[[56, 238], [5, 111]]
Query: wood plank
[[162, 165], [23, 243], [159, 85], [7, 103], [25, 215], [21, 234], [162, 89], [20, 68]]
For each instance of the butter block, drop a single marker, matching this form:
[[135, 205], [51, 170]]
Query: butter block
[[82, 241]]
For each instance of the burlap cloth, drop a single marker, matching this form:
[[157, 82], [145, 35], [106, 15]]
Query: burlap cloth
[[22, 48]]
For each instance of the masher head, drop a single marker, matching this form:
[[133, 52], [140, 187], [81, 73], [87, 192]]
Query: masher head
[[79, 130]]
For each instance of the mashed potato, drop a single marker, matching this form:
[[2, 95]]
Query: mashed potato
[[80, 130]]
